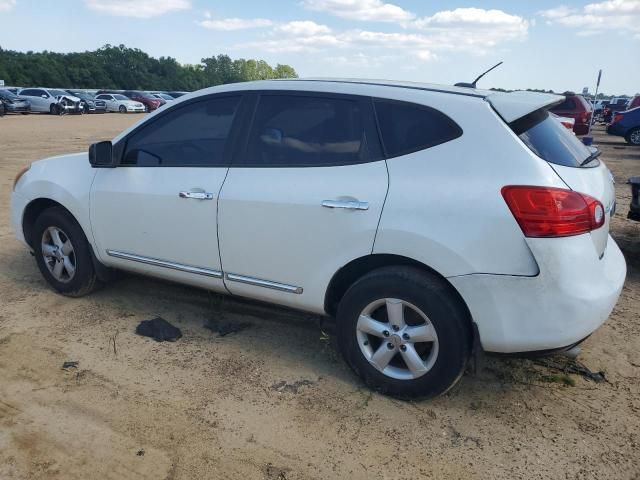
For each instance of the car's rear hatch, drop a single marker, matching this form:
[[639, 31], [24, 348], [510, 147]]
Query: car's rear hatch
[[579, 167]]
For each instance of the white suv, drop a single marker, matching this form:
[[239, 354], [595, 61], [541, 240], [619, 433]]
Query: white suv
[[429, 220]]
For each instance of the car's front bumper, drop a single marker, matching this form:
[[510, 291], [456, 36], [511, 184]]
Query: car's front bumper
[[573, 295], [18, 204], [13, 108]]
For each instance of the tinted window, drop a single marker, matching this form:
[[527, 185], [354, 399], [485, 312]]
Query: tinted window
[[192, 135], [29, 92], [407, 127], [568, 104], [550, 140], [290, 130]]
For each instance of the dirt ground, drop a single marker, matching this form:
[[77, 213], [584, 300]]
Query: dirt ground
[[275, 401]]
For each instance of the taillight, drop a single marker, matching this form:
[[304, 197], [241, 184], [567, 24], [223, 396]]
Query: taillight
[[584, 117], [553, 212], [617, 117]]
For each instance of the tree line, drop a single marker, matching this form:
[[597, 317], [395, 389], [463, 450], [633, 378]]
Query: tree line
[[120, 67]]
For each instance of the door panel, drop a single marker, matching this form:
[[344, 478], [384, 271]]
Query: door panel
[[139, 212], [156, 212], [273, 227], [303, 199]]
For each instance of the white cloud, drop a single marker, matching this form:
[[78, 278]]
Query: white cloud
[[594, 18], [137, 8], [303, 28], [366, 10], [229, 24], [7, 5]]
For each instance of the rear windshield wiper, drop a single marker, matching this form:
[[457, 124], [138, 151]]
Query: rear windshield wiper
[[591, 157]]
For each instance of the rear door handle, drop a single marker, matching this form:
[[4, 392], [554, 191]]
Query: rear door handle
[[348, 204], [196, 195]]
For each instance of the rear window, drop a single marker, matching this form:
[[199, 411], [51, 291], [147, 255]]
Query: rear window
[[408, 127], [550, 140], [568, 104]]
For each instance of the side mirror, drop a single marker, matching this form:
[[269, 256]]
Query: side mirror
[[101, 155], [44, 95]]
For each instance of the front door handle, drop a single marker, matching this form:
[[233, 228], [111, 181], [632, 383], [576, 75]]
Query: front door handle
[[346, 204], [196, 195]]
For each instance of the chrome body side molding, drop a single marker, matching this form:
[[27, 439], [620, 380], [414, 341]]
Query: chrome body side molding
[[163, 263]]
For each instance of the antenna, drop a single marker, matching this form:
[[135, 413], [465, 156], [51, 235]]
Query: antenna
[[473, 84]]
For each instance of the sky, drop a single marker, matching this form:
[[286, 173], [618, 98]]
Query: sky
[[544, 44]]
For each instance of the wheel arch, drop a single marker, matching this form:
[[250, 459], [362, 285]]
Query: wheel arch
[[352, 271], [31, 213]]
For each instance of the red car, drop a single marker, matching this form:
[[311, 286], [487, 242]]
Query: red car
[[576, 107], [634, 102], [150, 103]]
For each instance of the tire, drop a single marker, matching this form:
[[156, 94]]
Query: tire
[[122, 109], [426, 301], [53, 109], [83, 280], [3, 109], [633, 136]]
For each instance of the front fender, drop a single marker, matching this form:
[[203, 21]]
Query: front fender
[[66, 180]]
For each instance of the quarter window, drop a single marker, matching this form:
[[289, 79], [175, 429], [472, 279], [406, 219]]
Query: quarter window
[[193, 135], [301, 131], [408, 127]]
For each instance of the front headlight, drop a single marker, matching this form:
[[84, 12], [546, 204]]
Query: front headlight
[[20, 174]]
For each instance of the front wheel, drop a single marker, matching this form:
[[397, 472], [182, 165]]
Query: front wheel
[[122, 109], [404, 332], [63, 253], [633, 137]]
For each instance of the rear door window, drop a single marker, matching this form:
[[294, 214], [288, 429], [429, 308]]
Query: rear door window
[[409, 127], [550, 140], [306, 131]]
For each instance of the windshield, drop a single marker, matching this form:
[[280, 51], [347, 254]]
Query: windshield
[[57, 93], [550, 140], [117, 96], [8, 95], [165, 96], [81, 95]]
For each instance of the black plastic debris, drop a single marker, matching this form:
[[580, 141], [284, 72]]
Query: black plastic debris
[[69, 365], [225, 327], [159, 329]]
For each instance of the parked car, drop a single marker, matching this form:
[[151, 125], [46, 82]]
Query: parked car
[[420, 219], [91, 105], [626, 124], [576, 107], [617, 104], [3, 109], [634, 102], [176, 94], [598, 110], [116, 102], [163, 96], [53, 101], [151, 103], [11, 103]]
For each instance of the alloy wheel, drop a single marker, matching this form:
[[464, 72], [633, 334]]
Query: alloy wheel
[[59, 254], [397, 338]]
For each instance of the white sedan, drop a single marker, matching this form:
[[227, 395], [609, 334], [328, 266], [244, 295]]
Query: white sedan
[[117, 102], [431, 221]]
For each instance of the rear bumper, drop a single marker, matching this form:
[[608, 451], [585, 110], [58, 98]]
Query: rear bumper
[[580, 129], [573, 295], [616, 129]]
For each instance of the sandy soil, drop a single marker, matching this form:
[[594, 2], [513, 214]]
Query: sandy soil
[[275, 401]]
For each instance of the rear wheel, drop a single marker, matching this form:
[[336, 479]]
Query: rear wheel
[[633, 136], [63, 253], [404, 332]]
